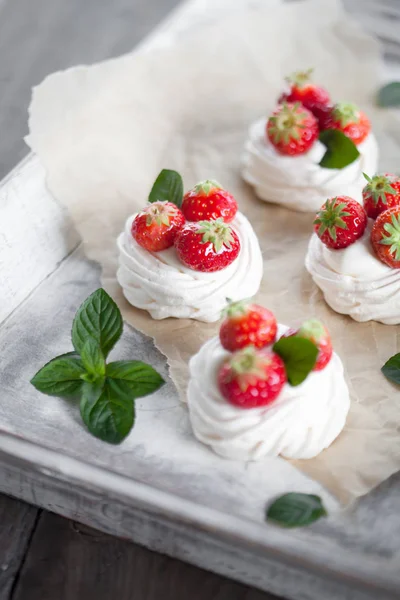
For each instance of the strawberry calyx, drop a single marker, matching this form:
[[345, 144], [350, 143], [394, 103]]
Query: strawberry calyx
[[248, 366], [313, 330], [393, 239], [235, 309], [217, 232], [377, 188], [345, 113], [330, 217], [286, 124], [205, 187], [300, 78], [159, 213]]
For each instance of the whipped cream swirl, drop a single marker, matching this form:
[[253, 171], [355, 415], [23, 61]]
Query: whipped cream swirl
[[298, 182], [300, 423], [159, 283], [354, 281]]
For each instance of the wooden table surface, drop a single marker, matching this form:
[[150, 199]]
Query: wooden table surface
[[44, 556]]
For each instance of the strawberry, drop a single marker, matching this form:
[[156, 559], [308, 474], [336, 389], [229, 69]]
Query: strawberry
[[323, 114], [385, 237], [207, 245], [251, 377], [316, 332], [350, 119], [312, 96], [156, 226], [292, 129], [380, 193], [246, 324], [207, 200], [340, 222]]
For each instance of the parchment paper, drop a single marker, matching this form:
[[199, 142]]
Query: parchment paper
[[104, 132]]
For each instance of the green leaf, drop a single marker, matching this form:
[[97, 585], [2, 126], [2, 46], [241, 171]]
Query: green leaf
[[299, 356], [296, 510], [98, 318], [389, 94], [61, 376], [391, 369], [168, 186], [92, 358], [340, 150], [133, 378], [108, 415]]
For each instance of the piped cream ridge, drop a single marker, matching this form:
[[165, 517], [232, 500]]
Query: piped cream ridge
[[300, 423], [159, 283], [354, 281], [298, 182]]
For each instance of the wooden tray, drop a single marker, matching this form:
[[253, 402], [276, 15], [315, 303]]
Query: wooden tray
[[160, 488]]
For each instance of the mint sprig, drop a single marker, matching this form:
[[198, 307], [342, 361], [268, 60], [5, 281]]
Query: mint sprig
[[299, 355], [107, 392], [168, 187], [296, 510], [341, 151]]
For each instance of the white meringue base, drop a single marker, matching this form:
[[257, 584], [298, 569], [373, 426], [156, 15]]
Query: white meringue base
[[299, 424], [298, 182], [159, 283], [354, 281]]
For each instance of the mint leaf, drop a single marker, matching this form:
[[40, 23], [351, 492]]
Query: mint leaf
[[133, 378], [391, 369], [107, 393], [340, 150], [92, 358], [296, 510], [98, 318], [167, 187], [107, 414], [61, 376], [299, 356], [389, 94]]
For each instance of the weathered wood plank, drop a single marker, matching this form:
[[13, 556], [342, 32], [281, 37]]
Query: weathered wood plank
[[68, 560], [17, 522], [37, 38], [35, 236]]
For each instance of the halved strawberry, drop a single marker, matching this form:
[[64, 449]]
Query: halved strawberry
[[340, 222], [251, 377], [385, 237], [292, 129], [155, 227], [207, 245], [380, 193], [207, 200], [246, 323], [349, 119], [316, 332]]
